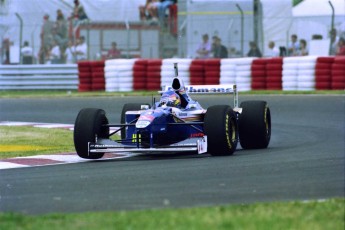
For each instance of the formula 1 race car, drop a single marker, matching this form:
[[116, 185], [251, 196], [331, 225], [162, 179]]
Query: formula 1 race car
[[176, 123]]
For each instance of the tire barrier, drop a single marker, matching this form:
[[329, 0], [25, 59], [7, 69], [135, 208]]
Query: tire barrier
[[306, 73], [84, 76], [274, 73], [196, 71], [97, 81], [242, 72], [119, 75], [323, 76], [139, 74], [258, 70], [168, 73], [338, 73], [212, 72], [288, 73], [153, 74]]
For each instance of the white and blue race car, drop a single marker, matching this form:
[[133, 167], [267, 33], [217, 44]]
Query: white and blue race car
[[176, 123]]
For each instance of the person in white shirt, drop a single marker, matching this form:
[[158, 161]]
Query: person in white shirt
[[69, 53], [272, 51], [55, 53], [204, 49], [27, 53], [81, 49]]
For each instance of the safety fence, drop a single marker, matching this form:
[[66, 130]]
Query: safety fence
[[22, 77], [121, 75]]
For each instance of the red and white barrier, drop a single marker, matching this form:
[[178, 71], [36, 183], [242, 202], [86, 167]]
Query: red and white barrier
[[289, 73], [167, 70]]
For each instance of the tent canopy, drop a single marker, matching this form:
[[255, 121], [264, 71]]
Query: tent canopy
[[319, 8]]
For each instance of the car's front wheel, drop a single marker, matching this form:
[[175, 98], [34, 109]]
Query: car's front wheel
[[220, 126], [88, 125]]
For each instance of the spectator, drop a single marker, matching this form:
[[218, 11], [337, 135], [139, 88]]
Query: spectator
[[272, 51], [61, 30], [341, 47], [55, 54], [27, 53], [204, 48], [6, 51], [69, 53], [113, 52], [149, 11], [47, 32], [254, 51], [78, 11], [81, 49], [293, 46], [213, 45], [220, 51], [303, 51], [162, 7]]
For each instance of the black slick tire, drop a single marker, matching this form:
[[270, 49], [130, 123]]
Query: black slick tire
[[220, 126], [87, 126], [254, 125]]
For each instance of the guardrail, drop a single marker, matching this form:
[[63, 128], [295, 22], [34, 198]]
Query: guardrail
[[21, 77]]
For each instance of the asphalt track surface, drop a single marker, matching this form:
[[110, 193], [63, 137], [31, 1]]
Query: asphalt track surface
[[305, 160]]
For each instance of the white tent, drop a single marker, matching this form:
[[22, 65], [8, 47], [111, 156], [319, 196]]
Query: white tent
[[315, 16]]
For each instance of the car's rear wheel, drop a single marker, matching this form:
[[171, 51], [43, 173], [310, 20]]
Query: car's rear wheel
[[220, 126], [254, 125], [88, 125]]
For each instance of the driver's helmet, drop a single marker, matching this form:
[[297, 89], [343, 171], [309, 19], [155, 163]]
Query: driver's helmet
[[170, 98]]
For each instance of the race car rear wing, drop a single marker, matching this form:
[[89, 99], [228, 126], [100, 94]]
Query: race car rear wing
[[177, 84]]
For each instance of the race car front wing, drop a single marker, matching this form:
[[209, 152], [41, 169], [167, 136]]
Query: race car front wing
[[197, 144]]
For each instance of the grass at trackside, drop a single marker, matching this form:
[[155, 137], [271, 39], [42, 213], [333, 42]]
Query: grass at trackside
[[313, 215], [74, 93], [29, 141]]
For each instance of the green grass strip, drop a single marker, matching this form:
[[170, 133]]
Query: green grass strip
[[313, 215], [19, 141]]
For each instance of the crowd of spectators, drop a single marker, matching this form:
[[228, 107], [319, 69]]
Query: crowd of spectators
[[295, 48], [58, 45]]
